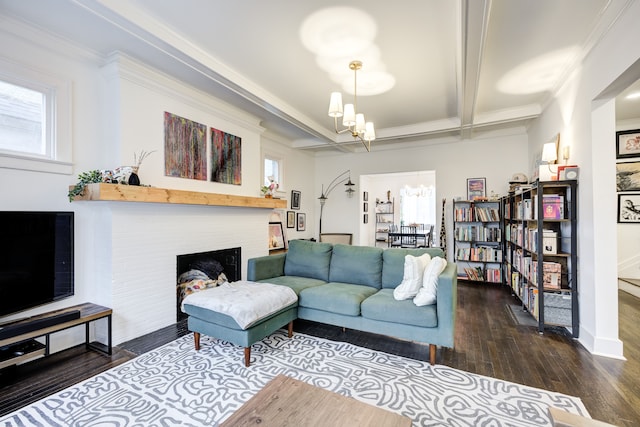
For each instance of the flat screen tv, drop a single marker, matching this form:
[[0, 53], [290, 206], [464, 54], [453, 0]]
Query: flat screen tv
[[36, 259]]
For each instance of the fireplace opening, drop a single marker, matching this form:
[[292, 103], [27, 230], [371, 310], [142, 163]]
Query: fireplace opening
[[203, 270]]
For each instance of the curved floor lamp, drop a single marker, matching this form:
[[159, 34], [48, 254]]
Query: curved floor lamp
[[344, 176]]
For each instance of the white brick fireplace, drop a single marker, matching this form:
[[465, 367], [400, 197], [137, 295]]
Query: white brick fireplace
[[135, 249]]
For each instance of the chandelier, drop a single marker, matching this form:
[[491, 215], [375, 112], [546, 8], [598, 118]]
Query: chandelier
[[353, 121]]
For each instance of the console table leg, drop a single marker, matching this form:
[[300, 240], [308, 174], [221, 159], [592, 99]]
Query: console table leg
[[86, 336], [109, 331]]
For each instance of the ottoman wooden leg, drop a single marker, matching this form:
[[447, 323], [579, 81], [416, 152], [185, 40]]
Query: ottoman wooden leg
[[432, 354], [247, 356], [290, 331], [196, 340]]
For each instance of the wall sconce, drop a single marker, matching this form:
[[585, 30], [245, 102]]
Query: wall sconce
[[566, 150]]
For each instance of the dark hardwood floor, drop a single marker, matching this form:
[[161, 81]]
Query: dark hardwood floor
[[488, 342]]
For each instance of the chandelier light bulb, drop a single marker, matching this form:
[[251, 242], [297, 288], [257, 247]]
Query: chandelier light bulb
[[349, 118], [335, 105]]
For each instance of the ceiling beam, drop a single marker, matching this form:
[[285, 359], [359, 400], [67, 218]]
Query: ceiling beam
[[474, 25]]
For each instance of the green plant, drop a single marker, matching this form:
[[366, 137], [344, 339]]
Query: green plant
[[84, 178]]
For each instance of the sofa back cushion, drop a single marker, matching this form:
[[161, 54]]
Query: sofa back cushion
[[393, 263], [360, 265], [308, 259]]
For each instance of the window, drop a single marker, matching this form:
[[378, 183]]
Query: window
[[23, 121], [417, 205], [35, 120], [273, 169]]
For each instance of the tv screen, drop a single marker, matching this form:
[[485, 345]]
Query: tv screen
[[36, 259]]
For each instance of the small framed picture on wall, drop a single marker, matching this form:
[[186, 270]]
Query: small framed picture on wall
[[295, 199], [476, 188], [302, 222], [291, 219]]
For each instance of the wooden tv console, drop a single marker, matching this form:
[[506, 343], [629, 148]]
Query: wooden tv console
[[20, 348]]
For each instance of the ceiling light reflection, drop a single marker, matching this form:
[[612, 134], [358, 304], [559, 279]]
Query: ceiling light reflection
[[539, 74]]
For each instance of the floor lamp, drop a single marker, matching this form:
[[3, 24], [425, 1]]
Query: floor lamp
[[344, 176]]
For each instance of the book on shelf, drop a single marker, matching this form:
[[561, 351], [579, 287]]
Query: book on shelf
[[551, 272], [553, 206], [549, 242], [474, 273]]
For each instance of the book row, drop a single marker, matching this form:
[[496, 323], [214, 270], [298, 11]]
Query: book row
[[478, 234], [528, 267], [528, 238], [476, 214], [479, 254], [552, 208], [493, 275]]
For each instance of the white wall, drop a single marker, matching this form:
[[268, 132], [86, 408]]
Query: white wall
[[583, 112], [495, 157]]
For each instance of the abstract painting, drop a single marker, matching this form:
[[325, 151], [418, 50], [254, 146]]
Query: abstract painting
[[185, 150], [226, 158]]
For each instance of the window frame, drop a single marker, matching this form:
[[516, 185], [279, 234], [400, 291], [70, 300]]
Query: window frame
[[57, 92], [270, 155]]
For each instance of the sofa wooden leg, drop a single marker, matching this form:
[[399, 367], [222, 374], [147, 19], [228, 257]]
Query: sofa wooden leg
[[247, 356], [432, 354], [290, 329], [196, 340]]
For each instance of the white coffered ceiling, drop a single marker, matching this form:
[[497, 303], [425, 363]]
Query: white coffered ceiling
[[461, 67]]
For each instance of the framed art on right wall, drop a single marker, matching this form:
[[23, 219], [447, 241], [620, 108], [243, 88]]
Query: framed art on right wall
[[627, 144], [629, 208]]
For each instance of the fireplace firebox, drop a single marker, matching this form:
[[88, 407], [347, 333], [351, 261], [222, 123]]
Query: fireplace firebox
[[207, 265]]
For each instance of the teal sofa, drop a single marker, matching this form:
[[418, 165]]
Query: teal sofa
[[352, 287]]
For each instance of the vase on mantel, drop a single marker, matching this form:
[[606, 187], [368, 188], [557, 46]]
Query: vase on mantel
[[134, 179]]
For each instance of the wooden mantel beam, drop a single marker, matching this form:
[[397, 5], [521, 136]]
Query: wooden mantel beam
[[132, 193]]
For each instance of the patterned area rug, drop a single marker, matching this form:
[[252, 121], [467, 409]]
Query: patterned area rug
[[176, 386]]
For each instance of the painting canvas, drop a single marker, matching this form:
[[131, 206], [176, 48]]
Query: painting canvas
[[628, 176], [226, 157], [185, 151], [276, 236]]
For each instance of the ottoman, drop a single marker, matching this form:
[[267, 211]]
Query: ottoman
[[241, 312]]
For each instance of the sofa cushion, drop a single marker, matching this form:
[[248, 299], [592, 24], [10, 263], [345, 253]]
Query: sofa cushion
[[427, 294], [296, 283], [360, 265], [393, 263], [384, 307], [412, 279], [308, 259], [340, 298]]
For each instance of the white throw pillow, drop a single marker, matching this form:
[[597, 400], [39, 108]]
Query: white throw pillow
[[427, 293], [412, 279]]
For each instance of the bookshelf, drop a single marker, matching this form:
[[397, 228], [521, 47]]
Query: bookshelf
[[540, 262], [477, 240], [384, 222]]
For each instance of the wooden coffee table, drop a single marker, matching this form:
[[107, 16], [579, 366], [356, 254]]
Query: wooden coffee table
[[287, 401]]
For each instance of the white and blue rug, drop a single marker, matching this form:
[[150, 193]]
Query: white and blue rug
[[177, 386]]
